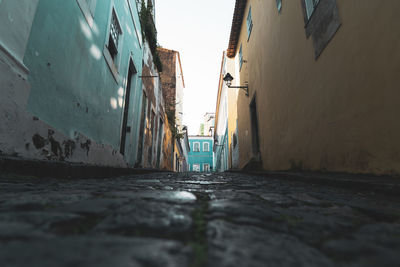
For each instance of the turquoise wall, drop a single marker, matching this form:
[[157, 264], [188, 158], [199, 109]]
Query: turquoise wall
[[201, 157], [73, 88]]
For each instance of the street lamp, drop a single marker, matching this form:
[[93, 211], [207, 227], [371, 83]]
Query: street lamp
[[228, 80]]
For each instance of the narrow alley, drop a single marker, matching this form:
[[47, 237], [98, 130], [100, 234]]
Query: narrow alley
[[226, 133], [196, 219]]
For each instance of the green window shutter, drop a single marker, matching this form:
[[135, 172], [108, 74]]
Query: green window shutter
[[279, 5], [249, 23]]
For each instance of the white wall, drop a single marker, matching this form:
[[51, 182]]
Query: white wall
[[179, 94]]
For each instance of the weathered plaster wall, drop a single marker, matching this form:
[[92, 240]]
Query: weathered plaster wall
[[168, 76], [15, 25], [24, 135], [167, 148], [73, 89], [336, 113], [70, 98], [153, 139]]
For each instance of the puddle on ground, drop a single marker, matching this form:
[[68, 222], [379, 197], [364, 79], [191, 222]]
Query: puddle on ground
[[200, 182], [183, 195], [174, 196], [148, 181]]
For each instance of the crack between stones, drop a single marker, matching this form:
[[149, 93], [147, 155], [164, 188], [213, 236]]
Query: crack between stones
[[199, 243]]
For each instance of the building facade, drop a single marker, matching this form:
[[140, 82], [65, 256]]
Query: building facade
[[185, 149], [83, 62], [155, 136], [173, 85], [80, 85], [201, 153], [226, 147], [322, 82]]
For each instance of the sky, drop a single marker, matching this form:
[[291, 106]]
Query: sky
[[199, 30]]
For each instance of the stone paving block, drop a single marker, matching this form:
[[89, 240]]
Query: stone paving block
[[100, 251], [192, 219], [243, 245]]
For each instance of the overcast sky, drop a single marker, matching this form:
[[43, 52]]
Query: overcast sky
[[200, 31]]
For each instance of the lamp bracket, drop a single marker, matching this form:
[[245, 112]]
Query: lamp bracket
[[245, 88]]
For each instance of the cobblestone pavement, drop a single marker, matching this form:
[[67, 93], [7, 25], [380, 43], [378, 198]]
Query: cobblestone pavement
[[167, 219]]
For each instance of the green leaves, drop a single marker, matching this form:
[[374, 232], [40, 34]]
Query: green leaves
[[150, 32]]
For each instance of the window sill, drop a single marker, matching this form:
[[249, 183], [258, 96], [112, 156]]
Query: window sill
[[13, 60], [111, 64], [86, 12]]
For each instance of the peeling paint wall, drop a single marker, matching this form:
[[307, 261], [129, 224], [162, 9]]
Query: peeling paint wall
[[155, 138], [70, 106], [167, 149]]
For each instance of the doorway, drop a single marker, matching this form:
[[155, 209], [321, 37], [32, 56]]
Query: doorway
[[254, 129], [125, 129], [141, 131], [160, 141]]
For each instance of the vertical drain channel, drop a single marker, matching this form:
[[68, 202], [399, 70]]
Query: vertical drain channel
[[199, 235]]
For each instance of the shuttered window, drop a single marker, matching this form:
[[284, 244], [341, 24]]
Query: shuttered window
[[310, 7], [249, 24], [279, 5], [115, 32], [240, 57]]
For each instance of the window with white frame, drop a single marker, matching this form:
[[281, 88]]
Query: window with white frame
[[310, 7], [240, 57], [206, 167], [206, 147], [196, 167], [114, 36], [196, 147], [249, 24]]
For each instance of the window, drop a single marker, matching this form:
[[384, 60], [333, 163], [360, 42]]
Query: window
[[322, 21], [240, 57], [249, 24], [206, 147], [310, 7], [113, 40], [206, 167], [113, 45], [88, 8], [196, 167], [196, 147], [279, 5], [92, 6]]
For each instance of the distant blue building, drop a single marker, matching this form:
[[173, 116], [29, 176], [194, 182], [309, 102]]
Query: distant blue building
[[201, 153]]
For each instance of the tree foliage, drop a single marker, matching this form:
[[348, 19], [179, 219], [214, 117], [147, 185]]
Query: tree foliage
[[150, 32]]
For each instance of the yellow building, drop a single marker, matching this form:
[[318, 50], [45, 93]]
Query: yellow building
[[323, 84], [226, 148]]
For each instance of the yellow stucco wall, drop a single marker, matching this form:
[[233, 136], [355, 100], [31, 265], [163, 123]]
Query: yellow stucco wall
[[232, 116], [337, 113]]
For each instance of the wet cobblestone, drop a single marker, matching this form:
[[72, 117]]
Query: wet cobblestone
[[189, 219]]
